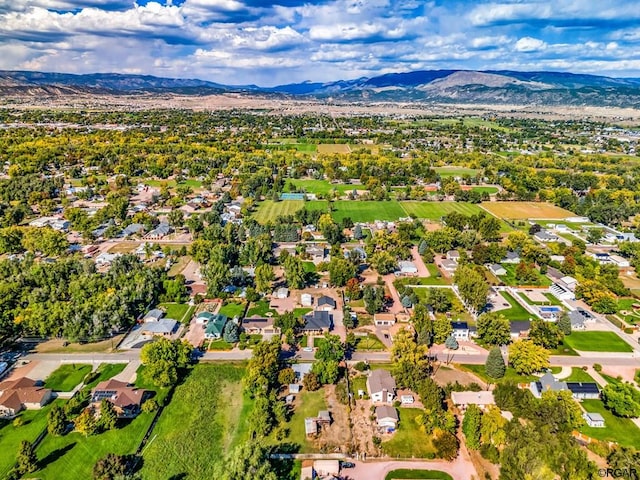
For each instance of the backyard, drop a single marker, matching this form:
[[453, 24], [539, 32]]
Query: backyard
[[232, 309], [409, 440], [510, 278], [307, 404], [517, 312], [617, 429], [597, 341], [206, 418], [177, 311]]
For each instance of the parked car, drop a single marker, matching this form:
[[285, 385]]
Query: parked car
[[347, 464]]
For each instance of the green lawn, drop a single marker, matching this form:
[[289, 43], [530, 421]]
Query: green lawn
[[321, 187], [207, 416], [409, 440], [67, 376], [269, 210], [232, 309], [361, 211], [34, 422], [370, 343], [417, 475], [551, 300], [436, 210], [616, 429], [517, 312], [456, 171], [175, 310], [106, 371], [597, 342], [510, 278], [307, 405], [489, 190], [579, 375], [309, 267], [509, 376], [299, 312], [219, 345], [358, 383], [260, 308]]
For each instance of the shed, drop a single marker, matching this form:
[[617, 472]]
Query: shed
[[593, 419], [310, 426]]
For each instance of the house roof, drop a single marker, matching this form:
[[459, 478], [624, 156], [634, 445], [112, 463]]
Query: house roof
[[133, 228], [549, 383], [161, 230], [301, 369], [384, 317], [385, 411], [407, 265], [118, 393], [317, 320], [162, 326], [495, 267], [23, 390], [381, 380], [520, 326], [310, 426], [446, 263], [511, 256], [594, 416], [325, 300], [256, 322], [484, 397], [588, 387], [155, 314], [459, 325], [216, 324]]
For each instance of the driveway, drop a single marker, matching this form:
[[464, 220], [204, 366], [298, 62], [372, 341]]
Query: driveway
[[459, 469], [419, 263]]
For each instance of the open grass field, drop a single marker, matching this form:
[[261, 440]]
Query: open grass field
[[436, 210], [322, 187], [334, 148], [518, 210], [510, 278], [456, 171], [232, 309], [307, 405], [33, 422], [200, 426], [616, 429], [172, 183], [269, 210], [408, 440], [367, 211], [417, 475], [509, 376], [122, 247], [57, 346], [370, 343], [67, 376], [579, 375], [597, 342], [260, 308], [489, 190]]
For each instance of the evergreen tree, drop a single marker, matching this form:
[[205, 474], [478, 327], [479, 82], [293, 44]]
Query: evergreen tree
[[495, 366], [451, 343], [27, 461], [108, 415], [56, 420], [564, 324]]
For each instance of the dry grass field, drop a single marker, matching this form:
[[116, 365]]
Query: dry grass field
[[334, 148], [522, 210]]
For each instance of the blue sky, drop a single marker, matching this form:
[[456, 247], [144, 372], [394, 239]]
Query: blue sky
[[255, 42]]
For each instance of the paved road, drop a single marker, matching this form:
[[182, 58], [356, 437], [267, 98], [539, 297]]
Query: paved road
[[459, 469]]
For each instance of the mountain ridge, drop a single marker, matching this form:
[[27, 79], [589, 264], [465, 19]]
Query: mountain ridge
[[443, 86]]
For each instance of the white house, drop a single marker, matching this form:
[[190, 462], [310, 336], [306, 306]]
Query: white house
[[406, 267], [384, 319], [281, 293], [306, 300], [594, 420], [381, 386], [386, 418], [482, 399], [497, 269], [460, 330]]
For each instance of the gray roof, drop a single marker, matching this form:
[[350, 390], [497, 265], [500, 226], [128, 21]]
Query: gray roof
[[381, 380], [163, 326], [548, 382], [155, 314], [132, 229], [161, 230], [511, 256], [317, 320], [301, 369], [325, 300], [385, 411], [594, 417], [519, 326], [495, 267]]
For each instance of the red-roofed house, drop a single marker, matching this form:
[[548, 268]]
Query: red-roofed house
[[22, 393], [125, 399]]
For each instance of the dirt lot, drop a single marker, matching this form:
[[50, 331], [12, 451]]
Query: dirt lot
[[363, 428], [518, 210], [446, 375], [337, 436]]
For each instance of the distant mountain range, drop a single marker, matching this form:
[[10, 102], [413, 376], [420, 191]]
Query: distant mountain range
[[437, 86]]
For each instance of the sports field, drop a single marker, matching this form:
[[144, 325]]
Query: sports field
[[521, 210], [456, 171], [362, 211], [436, 210]]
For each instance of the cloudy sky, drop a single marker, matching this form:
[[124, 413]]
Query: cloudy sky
[[251, 41]]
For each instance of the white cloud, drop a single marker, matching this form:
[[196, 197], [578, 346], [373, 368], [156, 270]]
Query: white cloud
[[529, 44]]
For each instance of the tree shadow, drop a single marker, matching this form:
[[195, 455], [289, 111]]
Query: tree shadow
[[55, 455], [178, 476]]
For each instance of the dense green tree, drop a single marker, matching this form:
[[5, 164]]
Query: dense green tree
[[340, 271], [441, 330], [108, 416], [86, 423], [564, 323], [56, 420], [494, 329], [111, 467], [545, 334], [472, 286], [622, 398], [471, 425], [26, 460], [248, 460], [526, 357], [410, 362], [264, 278], [495, 366]]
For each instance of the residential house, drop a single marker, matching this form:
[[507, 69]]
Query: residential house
[[294, 388], [449, 266], [594, 420], [453, 255], [165, 327], [158, 233], [20, 394], [602, 258], [326, 303], [386, 418], [579, 318], [132, 229], [317, 322], [482, 399], [619, 261], [406, 267], [204, 317], [579, 390], [256, 325], [215, 327], [153, 315], [381, 386], [545, 237], [497, 269], [511, 258], [406, 399], [316, 253], [384, 319], [125, 399], [519, 329], [460, 330], [301, 370], [106, 259]]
